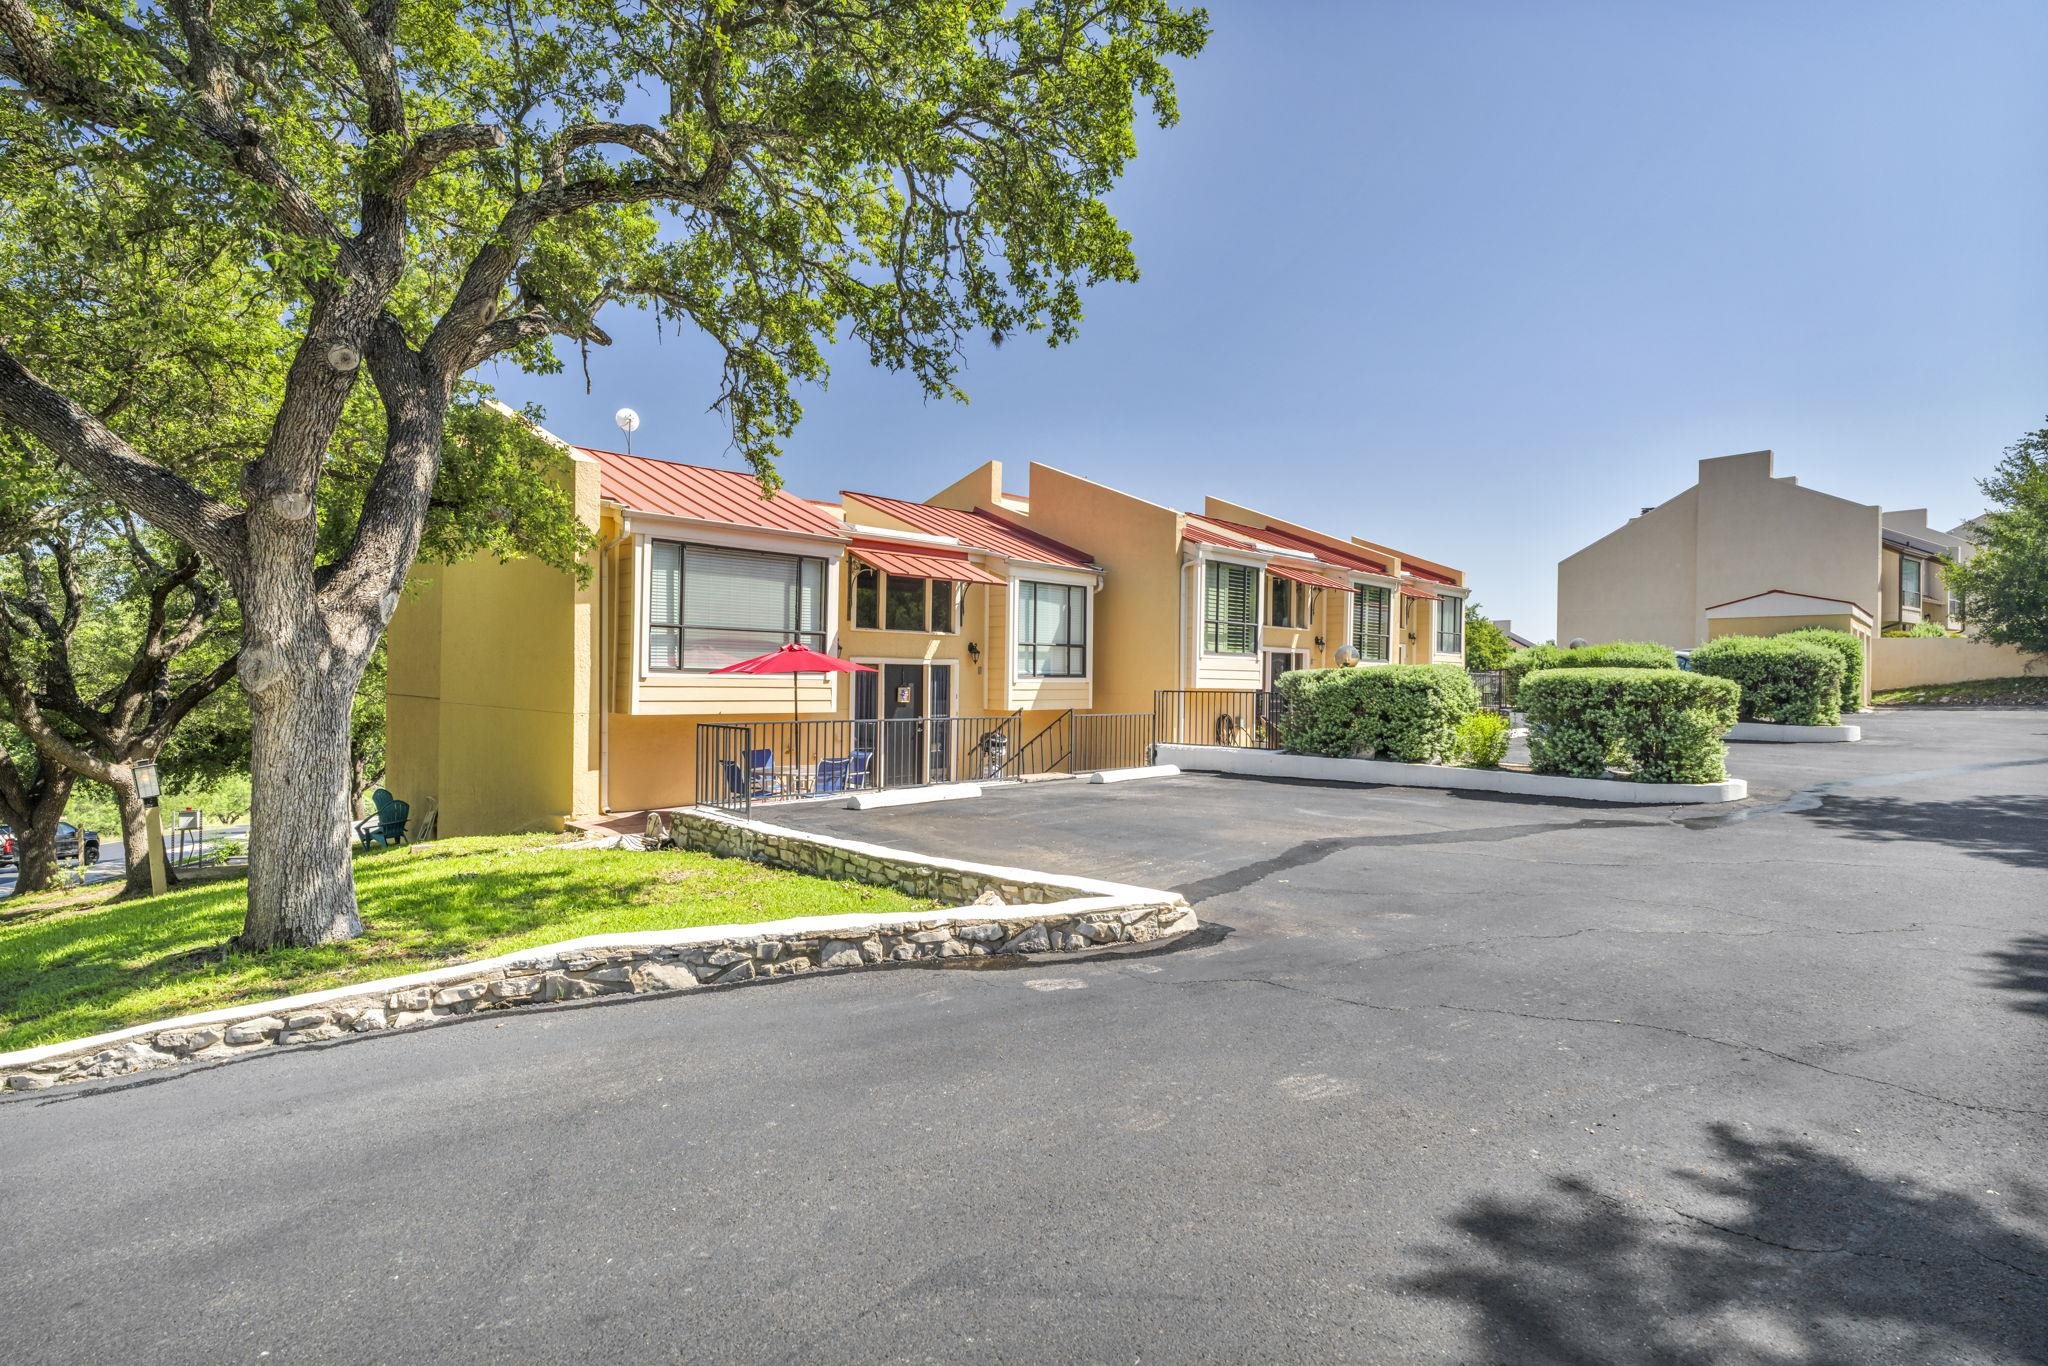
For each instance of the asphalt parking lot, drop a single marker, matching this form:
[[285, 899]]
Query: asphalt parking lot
[[1443, 1078]]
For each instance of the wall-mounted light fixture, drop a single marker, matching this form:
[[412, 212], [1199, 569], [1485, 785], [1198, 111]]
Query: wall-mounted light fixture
[[973, 651]]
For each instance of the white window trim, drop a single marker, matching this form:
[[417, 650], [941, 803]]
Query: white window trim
[[1393, 589], [1201, 621], [1072, 578], [731, 538]]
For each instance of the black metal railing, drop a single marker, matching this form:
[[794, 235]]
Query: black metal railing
[[1112, 740], [742, 763], [1493, 690], [1049, 749], [1237, 718]]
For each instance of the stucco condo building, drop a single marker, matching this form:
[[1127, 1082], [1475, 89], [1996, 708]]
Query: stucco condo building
[[1748, 551], [519, 696]]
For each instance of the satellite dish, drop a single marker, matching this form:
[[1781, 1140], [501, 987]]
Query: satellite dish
[[629, 422], [1347, 655]]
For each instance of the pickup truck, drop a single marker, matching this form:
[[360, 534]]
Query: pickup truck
[[67, 844]]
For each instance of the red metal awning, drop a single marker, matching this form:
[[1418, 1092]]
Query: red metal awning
[[1410, 590], [1312, 579], [922, 562]]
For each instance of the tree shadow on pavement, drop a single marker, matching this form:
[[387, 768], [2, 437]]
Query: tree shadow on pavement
[[2024, 968], [1779, 1252], [2010, 829]]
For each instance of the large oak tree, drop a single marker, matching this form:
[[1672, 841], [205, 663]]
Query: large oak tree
[[419, 188]]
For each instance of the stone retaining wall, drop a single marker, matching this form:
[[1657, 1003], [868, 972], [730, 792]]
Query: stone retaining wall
[[1045, 915], [935, 879]]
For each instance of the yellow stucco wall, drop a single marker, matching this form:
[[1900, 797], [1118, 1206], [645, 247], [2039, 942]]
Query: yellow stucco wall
[[1741, 530], [491, 690], [1137, 623]]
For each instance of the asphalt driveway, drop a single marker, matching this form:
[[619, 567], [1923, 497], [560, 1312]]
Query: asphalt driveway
[[1445, 1078]]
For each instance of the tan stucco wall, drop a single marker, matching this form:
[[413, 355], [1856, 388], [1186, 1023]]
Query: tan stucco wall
[[491, 689], [1739, 531], [1137, 626], [1898, 662]]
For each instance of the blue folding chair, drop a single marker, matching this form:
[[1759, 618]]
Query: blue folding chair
[[761, 760], [747, 784], [832, 775], [857, 776]]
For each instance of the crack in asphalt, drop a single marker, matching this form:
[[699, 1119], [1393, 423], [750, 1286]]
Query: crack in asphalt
[[1734, 1045], [1845, 1251], [1810, 798]]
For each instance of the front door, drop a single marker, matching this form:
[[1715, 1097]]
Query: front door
[[903, 713], [940, 747], [1282, 661]]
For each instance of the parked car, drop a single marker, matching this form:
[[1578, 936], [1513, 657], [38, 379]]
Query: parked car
[[67, 844]]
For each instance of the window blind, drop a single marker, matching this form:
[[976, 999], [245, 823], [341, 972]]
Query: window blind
[[710, 606], [1369, 622], [1230, 614], [1052, 630]]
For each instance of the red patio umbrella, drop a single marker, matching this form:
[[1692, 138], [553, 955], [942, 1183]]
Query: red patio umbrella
[[794, 659]]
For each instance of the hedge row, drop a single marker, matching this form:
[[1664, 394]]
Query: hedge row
[[1785, 682], [1844, 643], [1662, 726], [1408, 712], [1615, 654]]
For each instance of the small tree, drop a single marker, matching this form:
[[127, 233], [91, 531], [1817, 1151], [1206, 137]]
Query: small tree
[[1486, 645], [413, 189], [2004, 585]]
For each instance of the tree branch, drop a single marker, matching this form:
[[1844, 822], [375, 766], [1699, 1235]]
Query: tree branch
[[84, 442]]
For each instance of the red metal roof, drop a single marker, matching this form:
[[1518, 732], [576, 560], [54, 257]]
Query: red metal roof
[[922, 562], [641, 483], [1348, 559], [1429, 574], [980, 530], [1203, 532], [1409, 590], [1282, 569]]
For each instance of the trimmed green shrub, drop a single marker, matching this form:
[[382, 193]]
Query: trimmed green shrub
[[1615, 654], [1408, 712], [1849, 646], [1483, 739], [1662, 726], [1786, 682], [1919, 630]]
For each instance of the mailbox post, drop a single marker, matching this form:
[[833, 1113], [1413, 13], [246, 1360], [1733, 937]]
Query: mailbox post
[[148, 788]]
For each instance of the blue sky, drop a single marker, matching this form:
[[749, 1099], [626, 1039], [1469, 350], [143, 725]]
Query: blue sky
[[1481, 279]]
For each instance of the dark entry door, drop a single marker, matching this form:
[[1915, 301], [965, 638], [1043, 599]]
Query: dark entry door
[[903, 708]]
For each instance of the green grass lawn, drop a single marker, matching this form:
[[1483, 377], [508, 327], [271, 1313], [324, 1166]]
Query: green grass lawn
[[81, 962], [1983, 692]]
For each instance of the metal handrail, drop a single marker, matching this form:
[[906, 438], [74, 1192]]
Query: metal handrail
[[1066, 717]]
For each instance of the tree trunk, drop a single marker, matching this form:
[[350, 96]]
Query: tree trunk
[[35, 839], [301, 888]]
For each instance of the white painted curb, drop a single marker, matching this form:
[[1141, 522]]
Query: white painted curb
[[912, 796], [1129, 775], [1770, 733], [1273, 764]]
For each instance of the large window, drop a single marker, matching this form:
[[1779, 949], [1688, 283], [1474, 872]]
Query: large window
[[1052, 630], [905, 599], [1371, 612], [1450, 625], [1230, 611], [709, 606], [1909, 583]]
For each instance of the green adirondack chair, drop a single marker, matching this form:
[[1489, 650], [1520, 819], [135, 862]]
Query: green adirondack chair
[[387, 825]]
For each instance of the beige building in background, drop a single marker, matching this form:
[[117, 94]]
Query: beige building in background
[[1748, 551]]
